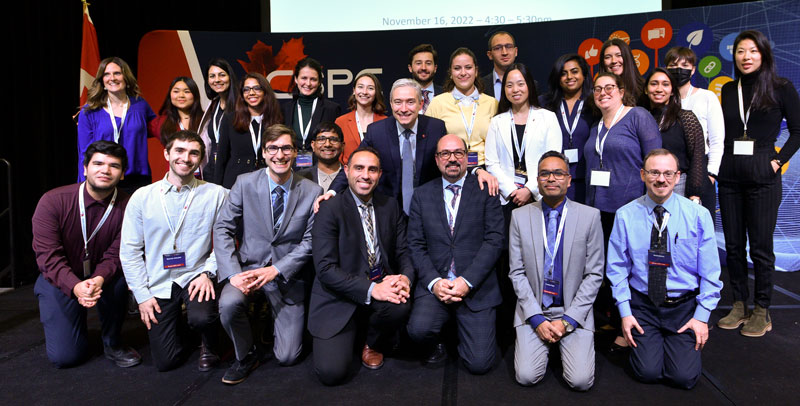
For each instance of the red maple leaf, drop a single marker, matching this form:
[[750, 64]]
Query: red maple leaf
[[264, 62]]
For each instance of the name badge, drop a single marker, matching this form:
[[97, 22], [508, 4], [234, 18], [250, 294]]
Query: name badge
[[375, 273], [520, 181], [174, 260], [87, 267], [659, 258], [572, 155], [551, 287], [472, 159], [743, 147], [304, 160], [600, 178]]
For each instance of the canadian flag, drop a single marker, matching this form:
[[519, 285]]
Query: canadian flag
[[90, 54]]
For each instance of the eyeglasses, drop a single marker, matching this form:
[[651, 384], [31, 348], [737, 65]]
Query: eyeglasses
[[654, 174], [606, 88], [257, 89], [324, 139], [558, 174], [459, 154], [273, 149], [499, 47]]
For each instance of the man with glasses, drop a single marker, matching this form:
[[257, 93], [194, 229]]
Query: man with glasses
[[454, 257], [664, 271], [270, 213], [327, 144], [502, 52], [556, 260]]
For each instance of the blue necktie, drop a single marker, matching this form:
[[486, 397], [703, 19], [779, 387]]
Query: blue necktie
[[277, 208], [408, 171], [549, 257]]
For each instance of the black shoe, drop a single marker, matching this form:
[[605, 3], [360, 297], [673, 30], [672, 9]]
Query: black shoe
[[239, 371], [123, 357], [208, 360], [438, 355]]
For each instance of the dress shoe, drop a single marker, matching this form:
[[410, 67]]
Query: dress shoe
[[438, 355], [735, 318], [123, 357], [619, 346], [758, 324], [208, 360], [370, 358], [239, 371]]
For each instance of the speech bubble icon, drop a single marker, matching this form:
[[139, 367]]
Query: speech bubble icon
[[726, 46], [709, 66], [716, 85]]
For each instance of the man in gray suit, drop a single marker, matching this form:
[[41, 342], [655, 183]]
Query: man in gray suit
[[556, 261], [271, 212]]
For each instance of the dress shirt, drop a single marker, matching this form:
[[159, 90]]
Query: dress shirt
[[448, 197], [498, 85], [145, 231], [287, 189], [58, 240], [431, 95], [375, 235], [412, 138], [325, 180], [690, 240]]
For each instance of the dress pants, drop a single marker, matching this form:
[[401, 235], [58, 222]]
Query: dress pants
[[166, 341], [604, 308], [64, 320], [289, 322], [749, 212], [662, 353], [476, 334], [380, 321]]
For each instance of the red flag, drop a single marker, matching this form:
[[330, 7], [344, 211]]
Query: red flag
[[90, 54]]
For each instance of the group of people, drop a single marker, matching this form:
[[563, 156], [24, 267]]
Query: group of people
[[476, 201]]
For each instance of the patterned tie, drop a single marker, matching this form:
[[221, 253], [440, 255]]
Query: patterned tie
[[366, 219], [426, 100], [277, 208], [657, 275], [408, 171], [451, 274], [549, 257]]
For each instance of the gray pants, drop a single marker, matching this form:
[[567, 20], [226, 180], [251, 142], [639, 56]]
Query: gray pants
[[288, 320], [577, 354]]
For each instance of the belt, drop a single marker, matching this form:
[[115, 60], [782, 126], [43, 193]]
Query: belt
[[674, 301]]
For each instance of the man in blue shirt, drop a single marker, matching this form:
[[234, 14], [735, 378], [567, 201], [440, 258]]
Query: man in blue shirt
[[664, 271]]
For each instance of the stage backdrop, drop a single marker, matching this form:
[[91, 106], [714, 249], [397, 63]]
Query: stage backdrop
[[709, 31]]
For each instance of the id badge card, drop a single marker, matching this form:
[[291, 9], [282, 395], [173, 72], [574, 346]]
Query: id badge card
[[174, 260], [659, 258], [472, 159], [551, 286], [600, 178], [572, 155], [87, 267], [520, 179], [743, 146], [304, 159], [375, 273]]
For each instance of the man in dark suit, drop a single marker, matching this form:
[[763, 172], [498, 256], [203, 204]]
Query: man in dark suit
[[502, 52], [422, 63], [455, 236], [364, 272], [327, 143]]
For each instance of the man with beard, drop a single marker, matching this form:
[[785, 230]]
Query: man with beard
[[167, 256], [422, 63], [76, 232], [327, 144], [502, 52]]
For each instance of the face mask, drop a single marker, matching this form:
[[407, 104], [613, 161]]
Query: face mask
[[681, 75]]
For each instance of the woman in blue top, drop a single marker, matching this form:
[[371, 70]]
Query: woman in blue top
[[115, 112]]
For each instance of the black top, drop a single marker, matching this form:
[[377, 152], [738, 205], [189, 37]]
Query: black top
[[327, 110], [519, 162], [235, 153], [684, 138]]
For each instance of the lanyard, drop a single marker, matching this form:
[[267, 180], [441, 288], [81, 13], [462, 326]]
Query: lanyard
[[571, 127], [471, 126], [600, 145], [304, 132], [520, 149], [83, 217], [121, 121], [663, 224], [745, 118], [358, 125], [552, 254], [256, 140], [175, 230], [215, 124]]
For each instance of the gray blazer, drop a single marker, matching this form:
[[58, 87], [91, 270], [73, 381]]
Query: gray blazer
[[247, 216], [582, 243]]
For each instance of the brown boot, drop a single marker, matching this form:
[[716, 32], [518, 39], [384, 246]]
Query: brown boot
[[758, 324], [738, 315]]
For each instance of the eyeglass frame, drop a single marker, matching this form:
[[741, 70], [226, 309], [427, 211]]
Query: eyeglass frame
[[449, 154], [668, 175], [286, 149], [545, 175]]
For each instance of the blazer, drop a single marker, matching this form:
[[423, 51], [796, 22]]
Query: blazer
[[544, 135], [475, 244], [382, 136], [340, 258], [327, 110], [488, 82], [247, 216], [582, 243], [235, 154], [351, 137], [309, 173]]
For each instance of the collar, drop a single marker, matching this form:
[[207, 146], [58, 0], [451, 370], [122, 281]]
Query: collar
[[546, 209], [460, 182], [429, 88], [285, 185], [671, 204], [89, 200], [169, 186], [257, 118], [496, 77], [400, 128], [358, 201], [474, 95]]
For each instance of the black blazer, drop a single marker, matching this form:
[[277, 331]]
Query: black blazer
[[340, 258], [309, 173], [235, 154], [488, 83], [475, 244], [327, 110]]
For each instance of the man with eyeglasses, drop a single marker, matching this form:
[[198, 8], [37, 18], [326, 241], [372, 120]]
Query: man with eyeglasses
[[455, 236], [664, 271], [270, 212], [327, 143], [556, 267], [502, 52]]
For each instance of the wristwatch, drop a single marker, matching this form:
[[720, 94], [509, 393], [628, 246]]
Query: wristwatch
[[568, 326], [210, 275]]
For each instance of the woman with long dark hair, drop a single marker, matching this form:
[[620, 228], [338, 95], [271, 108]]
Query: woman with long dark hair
[[754, 106], [366, 107], [220, 80], [618, 59], [180, 110], [308, 107]]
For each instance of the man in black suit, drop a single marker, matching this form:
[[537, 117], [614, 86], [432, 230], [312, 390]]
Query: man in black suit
[[502, 52], [364, 272], [455, 235], [422, 63], [327, 143]]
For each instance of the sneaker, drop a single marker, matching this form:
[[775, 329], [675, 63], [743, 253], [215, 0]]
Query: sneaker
[[735, 318], [758, 324], [239, 371]]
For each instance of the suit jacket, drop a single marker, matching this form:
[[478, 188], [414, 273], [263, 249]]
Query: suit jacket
[[327, 110], [475, 244], [488, 82], [235, 154], [248, 213], [582, 243], [309, 173], [340, 258], [350, 134], [382, 136]]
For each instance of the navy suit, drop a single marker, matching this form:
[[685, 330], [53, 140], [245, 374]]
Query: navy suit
[[475, 245]]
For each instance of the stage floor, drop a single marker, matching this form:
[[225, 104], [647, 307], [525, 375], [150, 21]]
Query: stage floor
[[736, 370]]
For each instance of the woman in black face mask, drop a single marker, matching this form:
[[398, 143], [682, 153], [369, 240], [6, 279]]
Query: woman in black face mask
[[681, 63]]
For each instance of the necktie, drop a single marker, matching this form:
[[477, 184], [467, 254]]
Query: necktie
[[550, 256], [366, 219], [408, 171], [451, 221], [277, 208], [426, 100], [657, 275]]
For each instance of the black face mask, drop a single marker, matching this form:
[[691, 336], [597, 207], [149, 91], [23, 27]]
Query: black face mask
[[682, 75]]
